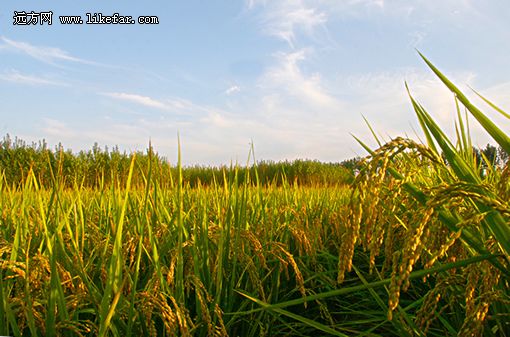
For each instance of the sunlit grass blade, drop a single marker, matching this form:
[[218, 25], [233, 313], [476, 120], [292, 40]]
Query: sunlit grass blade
[[135, 279], [179, 289], [466, 172], [299, 318], [346, 290], [372, 131], [7, 318], [497, 134], [384, 308], [114, 278], [458, 164], [416, 106], [494, 106]]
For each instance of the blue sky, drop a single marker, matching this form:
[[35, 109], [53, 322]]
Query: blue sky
[[294, 77]]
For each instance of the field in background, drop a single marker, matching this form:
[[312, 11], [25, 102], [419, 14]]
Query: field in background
[[417, 243]]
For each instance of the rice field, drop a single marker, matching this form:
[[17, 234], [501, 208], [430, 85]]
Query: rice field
[[417, 245]]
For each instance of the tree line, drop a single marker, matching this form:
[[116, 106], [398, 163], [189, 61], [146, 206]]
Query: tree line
[[102, 167]]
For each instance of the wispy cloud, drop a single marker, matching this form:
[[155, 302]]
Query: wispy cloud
[[175, 104], [56, 128], [397, 8], [111, 133], [138, 99], [16, 77], [289, 20], [286, 19], [377, 3], [288, 76], [45, 54], [232, 90], [498, 94], [382, 98]]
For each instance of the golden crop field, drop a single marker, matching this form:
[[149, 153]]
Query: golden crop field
[[418, 244]]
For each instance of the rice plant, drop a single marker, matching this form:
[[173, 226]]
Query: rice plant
[[417, 244]]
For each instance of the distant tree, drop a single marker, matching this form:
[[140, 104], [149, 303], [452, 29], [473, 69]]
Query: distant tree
[[502, 156], [352, 164], [491, 153], [102, 167]]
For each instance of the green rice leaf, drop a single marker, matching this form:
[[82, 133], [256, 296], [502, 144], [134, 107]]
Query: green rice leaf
[[346, 290], [494, 106], [299, 318], [497, 134]]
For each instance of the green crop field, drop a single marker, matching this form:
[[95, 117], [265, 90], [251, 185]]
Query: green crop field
[[418, 243]]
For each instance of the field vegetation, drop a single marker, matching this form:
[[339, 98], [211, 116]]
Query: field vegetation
[[103, 166], [416, 244]]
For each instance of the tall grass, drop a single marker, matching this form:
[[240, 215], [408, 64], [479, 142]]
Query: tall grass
[[432, 204], [418, 245], [115, 261]]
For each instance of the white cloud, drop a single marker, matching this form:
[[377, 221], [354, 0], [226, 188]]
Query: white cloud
[[284, 124], [139, 99], [498, 94], [289, 20], [397, 8], [57, 129], [217, 120], [367, 3], [286, 19], [316, 117], [288, 77], [45, 54], [417, 37], [232, 90], [16, 77], [382, 98], [384, 94], [175, 105]]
